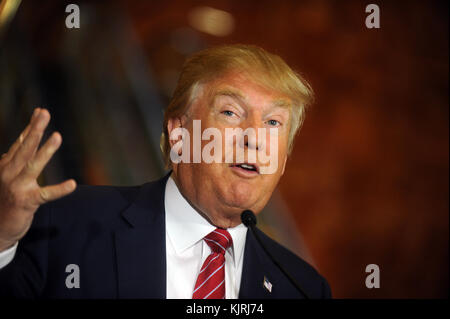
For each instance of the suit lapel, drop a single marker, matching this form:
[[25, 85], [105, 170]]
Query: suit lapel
[[141, 252], [141, 246], [256, 268]]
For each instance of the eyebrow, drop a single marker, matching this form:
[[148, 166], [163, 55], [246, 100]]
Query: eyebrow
[[282, 103], [231, 93], [235, 94]]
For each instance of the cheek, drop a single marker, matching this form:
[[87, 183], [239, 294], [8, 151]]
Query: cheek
[[274, 139], [283, 145], [274, 152], [282, 150]]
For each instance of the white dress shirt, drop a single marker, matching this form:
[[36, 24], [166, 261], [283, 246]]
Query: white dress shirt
[[185, 248], [7, 255]]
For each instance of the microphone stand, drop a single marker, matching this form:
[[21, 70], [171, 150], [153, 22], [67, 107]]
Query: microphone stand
[[248, 219]]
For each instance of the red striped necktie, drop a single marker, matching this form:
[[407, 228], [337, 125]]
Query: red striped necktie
[[210, 282]]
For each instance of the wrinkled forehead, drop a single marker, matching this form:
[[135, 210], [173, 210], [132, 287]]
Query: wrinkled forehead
[[244, 88]]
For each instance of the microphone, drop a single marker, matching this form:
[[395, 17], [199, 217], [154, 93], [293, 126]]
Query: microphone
[[249, 220]]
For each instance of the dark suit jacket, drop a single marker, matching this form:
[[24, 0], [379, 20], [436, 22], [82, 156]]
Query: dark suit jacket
[[116, 235]]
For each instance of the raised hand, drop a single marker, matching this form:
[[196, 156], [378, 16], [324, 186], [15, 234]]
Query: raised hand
[[20, 194]]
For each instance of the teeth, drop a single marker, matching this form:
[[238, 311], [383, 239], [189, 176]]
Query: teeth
[[247, 166]]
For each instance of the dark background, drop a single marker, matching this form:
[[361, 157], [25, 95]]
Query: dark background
[[368, 178]]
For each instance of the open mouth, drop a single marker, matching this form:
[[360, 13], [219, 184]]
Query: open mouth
[[247, 167]]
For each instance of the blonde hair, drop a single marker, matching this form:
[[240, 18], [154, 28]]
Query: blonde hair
[[264, 68]]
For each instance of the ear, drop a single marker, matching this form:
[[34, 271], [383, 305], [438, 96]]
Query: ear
[[173, 123]]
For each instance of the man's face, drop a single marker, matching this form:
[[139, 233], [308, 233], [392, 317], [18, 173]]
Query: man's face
[[221, 190]]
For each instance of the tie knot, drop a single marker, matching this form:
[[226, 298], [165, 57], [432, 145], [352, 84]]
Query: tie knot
[[219, 240]]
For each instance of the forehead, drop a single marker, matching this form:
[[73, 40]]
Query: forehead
[[242, 87]]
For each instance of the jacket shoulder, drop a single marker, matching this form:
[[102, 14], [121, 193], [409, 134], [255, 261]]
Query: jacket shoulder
[[88, 202]]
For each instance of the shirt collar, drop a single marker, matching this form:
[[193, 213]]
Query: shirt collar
[[186, 227]]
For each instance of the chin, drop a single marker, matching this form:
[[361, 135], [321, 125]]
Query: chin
[[240, 196]]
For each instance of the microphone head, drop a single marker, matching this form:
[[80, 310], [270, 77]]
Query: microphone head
[[248, 218]]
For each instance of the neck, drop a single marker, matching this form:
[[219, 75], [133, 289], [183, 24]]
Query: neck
[[217, 215]]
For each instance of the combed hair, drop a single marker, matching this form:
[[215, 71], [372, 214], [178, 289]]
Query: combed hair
[[264, 68]]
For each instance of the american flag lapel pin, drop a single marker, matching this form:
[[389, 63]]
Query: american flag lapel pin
[[267, 284]]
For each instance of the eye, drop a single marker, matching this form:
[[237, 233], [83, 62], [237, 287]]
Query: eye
[[273, 123], [228, 113]]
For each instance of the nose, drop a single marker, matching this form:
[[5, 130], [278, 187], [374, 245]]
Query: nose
[[251, 138]]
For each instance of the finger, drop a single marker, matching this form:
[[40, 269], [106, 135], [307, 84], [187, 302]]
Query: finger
[[12, 150], [28, 148], [50, 193], [35, 166]]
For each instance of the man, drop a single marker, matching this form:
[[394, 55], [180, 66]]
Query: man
[[181, 236]]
